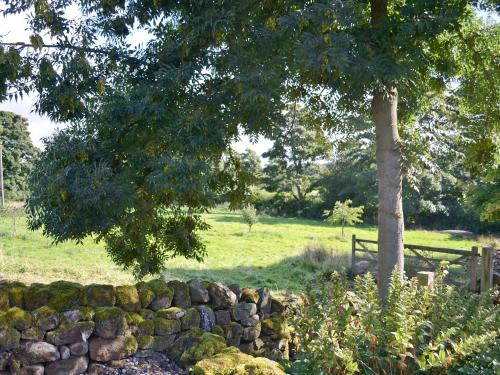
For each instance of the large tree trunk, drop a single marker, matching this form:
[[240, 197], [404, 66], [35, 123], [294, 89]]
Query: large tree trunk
[[390, 200], [390, 203]]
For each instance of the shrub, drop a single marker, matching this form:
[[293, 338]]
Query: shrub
[[319, 257], [438, 331], [249, 215]]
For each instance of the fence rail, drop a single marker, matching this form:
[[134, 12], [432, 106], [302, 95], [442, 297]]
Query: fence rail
[[479, 279]]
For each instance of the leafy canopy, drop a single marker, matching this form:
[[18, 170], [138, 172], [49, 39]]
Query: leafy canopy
[[148, 148], [344, 214]]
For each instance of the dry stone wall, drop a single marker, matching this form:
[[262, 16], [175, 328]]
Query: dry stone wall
[[66, 328]]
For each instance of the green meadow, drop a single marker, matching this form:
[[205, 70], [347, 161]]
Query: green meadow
[[269, 255]]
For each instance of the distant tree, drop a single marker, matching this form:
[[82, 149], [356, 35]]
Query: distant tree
[[19, 154], [344, 214], [298, 144], [249, 215], [251, 162]]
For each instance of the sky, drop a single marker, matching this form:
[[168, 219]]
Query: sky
[[14, 29]]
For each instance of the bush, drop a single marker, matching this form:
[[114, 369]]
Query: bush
[[249, 215], [438, 331], [319, 257]]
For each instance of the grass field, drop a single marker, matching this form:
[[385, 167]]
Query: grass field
[[267, 256]]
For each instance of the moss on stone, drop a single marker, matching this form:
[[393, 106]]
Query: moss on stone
[[45, 318], [107, 313], [162, 343], [146, 327], [110, 322], [165, 327], [191, 319], [70, 333], [171, 313], [218, 330], [127, 298], [208, 346], [157, 286], [35, 296], [146, 294], [231, 361], [133, 318], [65, 295], [147, 314], [18, 318], [9, 338], [15, 291], [145, 341], [4, 300], [101, 295], [275, 327]]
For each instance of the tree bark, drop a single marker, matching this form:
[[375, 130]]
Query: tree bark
[[390, 203]]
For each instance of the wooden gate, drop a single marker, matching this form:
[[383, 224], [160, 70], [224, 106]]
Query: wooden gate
[[466, 266]]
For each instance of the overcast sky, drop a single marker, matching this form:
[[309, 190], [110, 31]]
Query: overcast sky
[[14, 29]]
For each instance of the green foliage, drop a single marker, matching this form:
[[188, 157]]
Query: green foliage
[[438, 331], [343, 214], [152, 123], [249, 215], [19, 154]]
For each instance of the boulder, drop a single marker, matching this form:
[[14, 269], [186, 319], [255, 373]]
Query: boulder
[[9, 338], [134, 318], [243, 310], [33, 334], [251, 321], [222, 317], [110, 322], [247, 347], [18, 318], [70, 333], [65, 295], [79, 348], [70, 366], [146, 327], [97, 369], [64, 352], [35, 296], [101, 295], [233, 333], [31, 370], [264, 304], [236, 289], [38, 352], [182, 297], [277, 306], [191, 319], [251, 333], [4, 300], [16, 290], [207, 317], [249, 295], [45, 318], [207, 346], [166, 327], [171, 313], [77, 315], [127, 297], [103, 350], [147, 314], [199, 294], [146, 294], [184, 342], [163, 295], [275, 327], [162, 343], [221, 297], [145, 341], [231, 361]]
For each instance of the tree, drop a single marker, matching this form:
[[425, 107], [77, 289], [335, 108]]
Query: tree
[[249, 215], [19, 154], [344, 214], [251, 162], [212, 71], [298, 144]]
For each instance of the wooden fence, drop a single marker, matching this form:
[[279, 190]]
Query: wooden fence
[[478, 266]]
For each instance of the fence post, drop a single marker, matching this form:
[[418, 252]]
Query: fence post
[[353, 253], [425, 279], [487, 269], [473, 261]]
